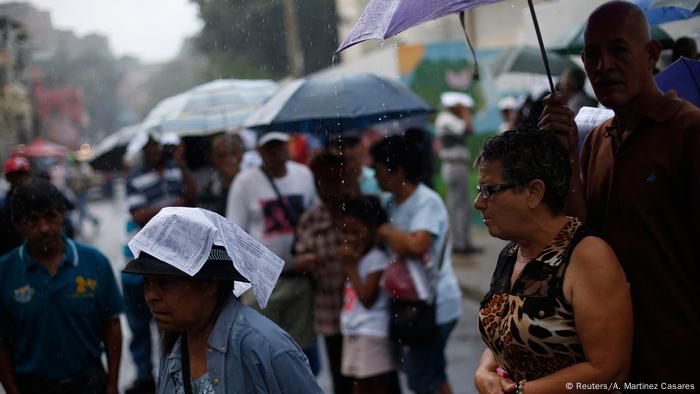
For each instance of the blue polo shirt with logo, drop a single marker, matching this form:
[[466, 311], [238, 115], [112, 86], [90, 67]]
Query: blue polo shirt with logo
[[54, 326]]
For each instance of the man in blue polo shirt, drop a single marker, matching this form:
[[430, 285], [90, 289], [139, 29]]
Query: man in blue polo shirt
[[59, 304]]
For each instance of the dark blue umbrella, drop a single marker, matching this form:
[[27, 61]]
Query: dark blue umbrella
[[683, 76], [662, 11], [333, 104]]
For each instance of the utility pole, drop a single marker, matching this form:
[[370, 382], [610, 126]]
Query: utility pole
[[295, 53]]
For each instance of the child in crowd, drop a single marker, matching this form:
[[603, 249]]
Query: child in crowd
[[367, 356]]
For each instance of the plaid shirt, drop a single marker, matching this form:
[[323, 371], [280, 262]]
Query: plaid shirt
[[317, 234]]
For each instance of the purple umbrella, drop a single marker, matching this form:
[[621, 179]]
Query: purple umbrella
[[386, 18]]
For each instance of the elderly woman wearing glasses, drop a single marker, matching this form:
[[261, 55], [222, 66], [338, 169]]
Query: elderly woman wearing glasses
[[558, 312], [211, 342]]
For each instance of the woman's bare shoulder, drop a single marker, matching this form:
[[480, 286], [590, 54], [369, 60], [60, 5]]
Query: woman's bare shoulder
[[592, 252], [594, 263]]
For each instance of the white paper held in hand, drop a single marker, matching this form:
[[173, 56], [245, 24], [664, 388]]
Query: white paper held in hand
[[590, 117]]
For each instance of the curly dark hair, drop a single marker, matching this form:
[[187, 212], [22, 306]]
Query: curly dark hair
[[366, 209], [327, 165], [528, 153], [397, 152]]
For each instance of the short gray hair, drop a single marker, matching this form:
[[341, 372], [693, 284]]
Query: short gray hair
[[528, 153]]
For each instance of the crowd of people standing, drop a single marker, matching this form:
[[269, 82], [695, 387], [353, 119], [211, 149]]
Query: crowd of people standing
[[595, 287]]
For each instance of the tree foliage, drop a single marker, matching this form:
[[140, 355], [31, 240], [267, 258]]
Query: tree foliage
[[246, 38], [187, 70]]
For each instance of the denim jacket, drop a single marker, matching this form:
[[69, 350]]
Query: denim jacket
[[246, 353]]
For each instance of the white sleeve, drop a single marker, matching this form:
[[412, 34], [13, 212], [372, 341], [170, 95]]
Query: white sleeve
[[311, 197], [429, 216], [237, 203], [447, 123], [376, 260], [314, 195]]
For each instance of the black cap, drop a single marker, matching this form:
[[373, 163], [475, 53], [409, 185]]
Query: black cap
[[218, 266]]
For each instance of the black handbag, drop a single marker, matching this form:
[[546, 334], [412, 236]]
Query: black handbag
[[413, 322]]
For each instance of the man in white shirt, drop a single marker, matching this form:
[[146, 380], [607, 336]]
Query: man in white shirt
[[453, 126], [270, 215]]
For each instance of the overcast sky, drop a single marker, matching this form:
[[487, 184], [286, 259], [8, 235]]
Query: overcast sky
[[151, 30]]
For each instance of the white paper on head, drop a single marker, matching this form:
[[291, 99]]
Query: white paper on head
[[251, 258], [590, 117], [183, 237]]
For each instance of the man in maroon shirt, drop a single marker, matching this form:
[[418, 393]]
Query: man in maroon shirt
[[640, 189]]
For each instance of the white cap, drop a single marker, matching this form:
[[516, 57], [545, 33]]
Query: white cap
[[141, 139], [169, 139], [450, 99], [507, 103], [273, 136]]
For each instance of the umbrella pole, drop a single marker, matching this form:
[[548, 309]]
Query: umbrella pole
[[539, 40], [469, 44]]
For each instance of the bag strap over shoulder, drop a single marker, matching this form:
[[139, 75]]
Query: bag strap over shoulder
[[438, 267], [186, 365], [443, 249], [288, 211]]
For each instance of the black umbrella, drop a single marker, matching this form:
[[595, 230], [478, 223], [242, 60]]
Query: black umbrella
[[528, 60], [332, 104], [108, 154]]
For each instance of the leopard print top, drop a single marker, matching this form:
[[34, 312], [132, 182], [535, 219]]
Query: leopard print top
[[530, 327]]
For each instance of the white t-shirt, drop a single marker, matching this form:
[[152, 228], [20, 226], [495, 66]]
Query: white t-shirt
[[425, 210], [355, 319], [253, 205], [448, 123]]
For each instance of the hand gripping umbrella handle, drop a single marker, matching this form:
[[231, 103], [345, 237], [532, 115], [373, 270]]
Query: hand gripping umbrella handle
[[539, 40]]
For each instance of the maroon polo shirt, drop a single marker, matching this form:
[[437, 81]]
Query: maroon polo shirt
[[643, 196]]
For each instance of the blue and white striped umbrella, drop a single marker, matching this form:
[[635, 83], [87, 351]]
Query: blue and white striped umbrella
[[209, 108]]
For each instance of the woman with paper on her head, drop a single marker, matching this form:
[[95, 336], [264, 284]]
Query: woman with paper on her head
[[212, 342]]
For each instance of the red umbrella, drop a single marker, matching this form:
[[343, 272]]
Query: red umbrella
[[41, 148]]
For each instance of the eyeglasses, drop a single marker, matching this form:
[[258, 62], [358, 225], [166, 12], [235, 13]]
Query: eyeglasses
[[487, 191]]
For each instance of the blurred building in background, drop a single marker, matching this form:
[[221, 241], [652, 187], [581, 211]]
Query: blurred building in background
[[15, 105], [71, 79]]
